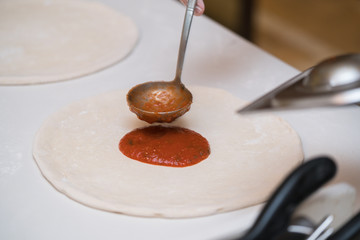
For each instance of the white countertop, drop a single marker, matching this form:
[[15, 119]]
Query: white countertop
[[30, 208]]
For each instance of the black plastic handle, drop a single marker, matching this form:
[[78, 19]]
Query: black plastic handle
[[301, 183]]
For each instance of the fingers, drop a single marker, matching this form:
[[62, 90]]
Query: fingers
[[200, 6]]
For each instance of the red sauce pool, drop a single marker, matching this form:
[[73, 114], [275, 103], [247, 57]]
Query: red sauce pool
[[166, 146]]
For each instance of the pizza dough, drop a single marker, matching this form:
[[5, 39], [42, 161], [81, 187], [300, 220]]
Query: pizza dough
[[51, 40], [77, 151]]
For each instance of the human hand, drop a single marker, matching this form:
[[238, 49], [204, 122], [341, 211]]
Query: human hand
[[200, 6]]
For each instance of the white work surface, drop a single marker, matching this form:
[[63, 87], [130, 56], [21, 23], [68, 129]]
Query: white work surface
[[30, 208]]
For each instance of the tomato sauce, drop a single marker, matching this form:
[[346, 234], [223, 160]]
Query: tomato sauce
[[161, 101], [165, 146]]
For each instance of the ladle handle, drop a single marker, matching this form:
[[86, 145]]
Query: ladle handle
[[184, 38]]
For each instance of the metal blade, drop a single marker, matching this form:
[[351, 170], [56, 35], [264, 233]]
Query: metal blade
[[292, 95], [266, 102], [333, 82]]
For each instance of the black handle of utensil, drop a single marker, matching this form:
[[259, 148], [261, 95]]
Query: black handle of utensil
[[303, 181], [350, 231]]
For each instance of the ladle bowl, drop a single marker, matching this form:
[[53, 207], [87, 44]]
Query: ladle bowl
[[159, 101]]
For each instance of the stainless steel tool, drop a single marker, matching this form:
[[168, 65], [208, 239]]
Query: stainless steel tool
[[333, 82], [164, 101], [275, 221]]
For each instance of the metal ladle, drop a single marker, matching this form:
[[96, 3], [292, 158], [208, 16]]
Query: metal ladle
[[163, 101], [333, 82]]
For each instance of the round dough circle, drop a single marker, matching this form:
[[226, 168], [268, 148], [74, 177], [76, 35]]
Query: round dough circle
[[46, 41], [77, 151]]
